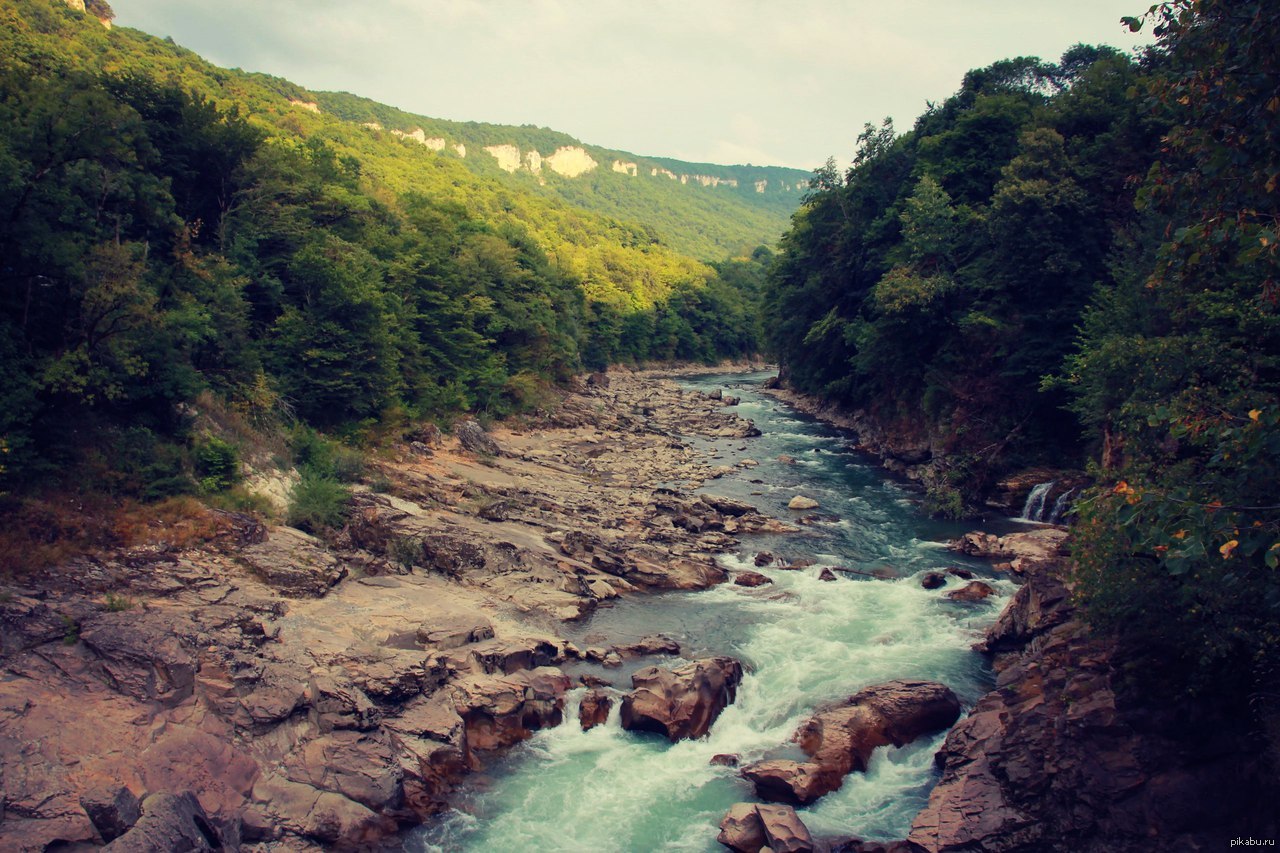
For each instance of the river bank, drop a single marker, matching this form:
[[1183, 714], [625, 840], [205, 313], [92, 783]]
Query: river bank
[[1064, 754], [320, 693]]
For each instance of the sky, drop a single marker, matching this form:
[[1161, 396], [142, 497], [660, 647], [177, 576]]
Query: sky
[[768, 82]]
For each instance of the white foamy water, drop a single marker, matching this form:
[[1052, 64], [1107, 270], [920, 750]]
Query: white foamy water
[[804, 642]]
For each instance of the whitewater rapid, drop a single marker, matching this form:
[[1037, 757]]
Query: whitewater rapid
[[804, 642]]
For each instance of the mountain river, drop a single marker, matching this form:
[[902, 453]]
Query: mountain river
[[803, 642]]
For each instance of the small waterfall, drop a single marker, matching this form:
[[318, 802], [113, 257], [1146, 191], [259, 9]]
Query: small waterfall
[[1060, 506], [1033, 509]]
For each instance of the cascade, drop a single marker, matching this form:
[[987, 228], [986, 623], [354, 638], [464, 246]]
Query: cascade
[[1060, 506], [1033, 509]]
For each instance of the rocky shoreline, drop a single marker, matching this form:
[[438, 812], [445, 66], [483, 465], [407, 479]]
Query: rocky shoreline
[[272, 691], [1058, 757]]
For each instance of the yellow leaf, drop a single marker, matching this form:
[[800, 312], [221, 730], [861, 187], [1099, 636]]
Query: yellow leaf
[[1228, 549], [1254, 413], [1181, 534]]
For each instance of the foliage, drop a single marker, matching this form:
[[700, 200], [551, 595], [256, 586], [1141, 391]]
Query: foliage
[[217, 464], [942, 276], [1179, 369], [318, 502], [171, 230], [405, 551]]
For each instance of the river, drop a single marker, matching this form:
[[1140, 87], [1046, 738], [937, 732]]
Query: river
[[803, 642]]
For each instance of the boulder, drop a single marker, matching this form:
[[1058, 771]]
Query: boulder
[[751, 579], [654, 644], [827, 575], [499, 711], [681, 703], [113, 810], [741, 829], [169, 822], [841, 739], [783, 829], [445, 635], [727, 506], [957, 572], [972, 591], [786, 460], [762, 559], [725, 759], [783, 780], [295, 564], [800, 502], [473, 437], [594, 709], [750, 828], [933, 580]]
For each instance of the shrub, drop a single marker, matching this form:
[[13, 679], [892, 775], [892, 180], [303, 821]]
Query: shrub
[[326, 457], [318, 502], [217, 465], [405, 551]]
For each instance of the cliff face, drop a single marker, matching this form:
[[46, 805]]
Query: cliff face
[[1059, 758], [98, 8]]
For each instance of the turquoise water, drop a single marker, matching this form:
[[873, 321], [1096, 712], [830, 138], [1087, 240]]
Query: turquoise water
[[804, 642]]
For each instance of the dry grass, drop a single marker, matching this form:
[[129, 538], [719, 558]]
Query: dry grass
[[42, 532]]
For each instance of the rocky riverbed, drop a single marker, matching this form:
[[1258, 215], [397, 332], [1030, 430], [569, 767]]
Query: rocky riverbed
[[270, 690]]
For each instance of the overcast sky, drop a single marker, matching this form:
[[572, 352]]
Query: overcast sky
[[769, 82]]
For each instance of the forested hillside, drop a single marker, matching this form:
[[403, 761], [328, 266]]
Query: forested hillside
[[170, 229], [701, 209], [1077, 261]]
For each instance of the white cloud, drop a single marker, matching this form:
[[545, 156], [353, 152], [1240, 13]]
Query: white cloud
[[709, 80]]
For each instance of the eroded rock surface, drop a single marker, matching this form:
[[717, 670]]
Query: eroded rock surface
[[1054, 760], [681, 703], [278, 691], [752, 827], [841, 739]]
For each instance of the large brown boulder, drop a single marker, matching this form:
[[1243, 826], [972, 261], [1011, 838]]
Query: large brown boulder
[[841, 739], [169, 822], [473, 437], [498, 711], [750, 828], [681, 703], [653, 644], [594, 709], [972, 591], [751, 579]]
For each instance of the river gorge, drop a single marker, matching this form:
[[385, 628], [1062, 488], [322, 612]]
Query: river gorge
[[804, 642]]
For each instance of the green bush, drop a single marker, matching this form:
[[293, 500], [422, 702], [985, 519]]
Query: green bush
[[217, 465], [318, 502], [324, 456]]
